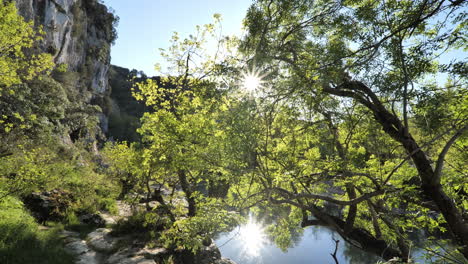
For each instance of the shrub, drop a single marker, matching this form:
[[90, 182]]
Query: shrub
[[21, 240]]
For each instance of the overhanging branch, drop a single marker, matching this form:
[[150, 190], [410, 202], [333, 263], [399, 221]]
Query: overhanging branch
[[288, 195]]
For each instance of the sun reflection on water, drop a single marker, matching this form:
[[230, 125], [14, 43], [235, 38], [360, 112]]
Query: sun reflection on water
[[253, 236]]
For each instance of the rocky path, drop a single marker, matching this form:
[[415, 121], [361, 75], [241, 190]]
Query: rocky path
[[100, 247]]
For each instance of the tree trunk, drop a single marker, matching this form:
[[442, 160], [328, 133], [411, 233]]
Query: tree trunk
[[352, 211], [158, 197], [393, 126], [192, 208], [366, 241]]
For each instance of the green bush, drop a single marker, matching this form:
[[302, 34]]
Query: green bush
[[73, 223], [134, 224], [109, 205], [22, 241]]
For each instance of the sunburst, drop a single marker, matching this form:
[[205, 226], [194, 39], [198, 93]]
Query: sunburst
[[252, 80]]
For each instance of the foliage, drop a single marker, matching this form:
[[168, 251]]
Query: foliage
[[16, 36], [21, 240], [354, 118], [39, 114], [44, 168], [360, 127], [182, 144], [196, 232]]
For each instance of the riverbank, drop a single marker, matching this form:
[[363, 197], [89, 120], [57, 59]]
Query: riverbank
[[102, 246]]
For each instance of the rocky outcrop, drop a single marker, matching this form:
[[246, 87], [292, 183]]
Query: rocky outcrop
[[78, 33], [101, 240], [47, 206], [79, 248]]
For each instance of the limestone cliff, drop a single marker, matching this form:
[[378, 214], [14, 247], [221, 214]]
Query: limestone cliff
[[78, 33]]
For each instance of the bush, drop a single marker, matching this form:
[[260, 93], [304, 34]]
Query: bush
[[21, 240], [109, 205], [143, 223]]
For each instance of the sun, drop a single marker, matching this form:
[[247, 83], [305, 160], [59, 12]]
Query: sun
[[252, 80]]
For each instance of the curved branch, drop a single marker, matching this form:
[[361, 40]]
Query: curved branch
[[440, 160]]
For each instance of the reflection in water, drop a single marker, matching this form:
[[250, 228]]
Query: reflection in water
[[253, 236], [249, 244]]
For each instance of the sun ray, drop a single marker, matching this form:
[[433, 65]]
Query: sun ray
[[252, 80]]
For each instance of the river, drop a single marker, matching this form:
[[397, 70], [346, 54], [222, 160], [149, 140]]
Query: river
[[248, 244]]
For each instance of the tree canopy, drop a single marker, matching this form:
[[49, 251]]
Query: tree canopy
[[368, 72], [346, 114], [359, 123]]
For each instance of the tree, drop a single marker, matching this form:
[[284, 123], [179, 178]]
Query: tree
[[360, 66], [182, 142], [18, 62]]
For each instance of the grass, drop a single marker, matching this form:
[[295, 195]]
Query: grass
[[72, 223], [23, 242]]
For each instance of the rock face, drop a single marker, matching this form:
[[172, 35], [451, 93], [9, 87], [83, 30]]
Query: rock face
[[78, 33]]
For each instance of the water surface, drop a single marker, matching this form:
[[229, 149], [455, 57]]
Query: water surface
[[248, 244]]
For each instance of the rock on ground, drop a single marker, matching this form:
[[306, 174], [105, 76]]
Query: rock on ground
[[100, 240], [79, 248]]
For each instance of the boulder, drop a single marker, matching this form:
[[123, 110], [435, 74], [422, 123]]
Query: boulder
[[93, 219], [78, 247], [129, 256], [46, 206], [207, 255], [157, 254], [101, 241], [108, 219]]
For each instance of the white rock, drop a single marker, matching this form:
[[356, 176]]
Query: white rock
[[109, 219], [76, 246], [89, 257], [128, 256], [101, 241], [153, 252]]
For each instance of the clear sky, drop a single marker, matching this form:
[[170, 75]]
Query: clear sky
[[147, 25]]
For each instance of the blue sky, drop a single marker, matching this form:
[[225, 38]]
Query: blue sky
[[147, 25]]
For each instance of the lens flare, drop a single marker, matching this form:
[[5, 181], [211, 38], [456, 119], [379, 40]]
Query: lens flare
[[252, 80]]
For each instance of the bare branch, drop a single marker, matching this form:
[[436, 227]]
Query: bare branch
[[334, 253]]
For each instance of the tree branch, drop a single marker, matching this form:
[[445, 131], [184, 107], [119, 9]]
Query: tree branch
[[286, 194], [440, 160]]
